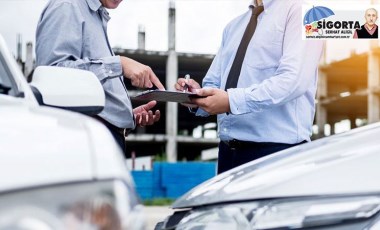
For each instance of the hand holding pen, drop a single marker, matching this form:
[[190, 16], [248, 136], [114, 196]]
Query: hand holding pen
[[186, 84], [214, 101]]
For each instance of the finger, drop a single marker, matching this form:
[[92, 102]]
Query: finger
[[150, 118], [147, 82], [181, 81], [157, 115], [137, 119], [137, 110], [193, 84], [154, 79], [144, 118], [148, 106], [142, 81], [178, 87], [205, 92]]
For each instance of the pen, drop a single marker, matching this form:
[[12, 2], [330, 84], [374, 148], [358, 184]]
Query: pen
[[186, 86]]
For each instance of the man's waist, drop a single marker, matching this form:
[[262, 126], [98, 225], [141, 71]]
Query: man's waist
[[234, 143], [238, 144]]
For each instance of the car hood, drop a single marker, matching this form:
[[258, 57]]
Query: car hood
[[41, 146], [340, 164]]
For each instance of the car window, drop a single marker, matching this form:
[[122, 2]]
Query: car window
[[7, 85]]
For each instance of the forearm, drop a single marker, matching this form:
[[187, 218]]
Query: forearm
[[103, 68]]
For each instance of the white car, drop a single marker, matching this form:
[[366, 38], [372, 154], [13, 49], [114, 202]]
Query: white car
[[331, 183], [59, 169]]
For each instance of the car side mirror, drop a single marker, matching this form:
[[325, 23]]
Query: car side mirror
[[67, 88]]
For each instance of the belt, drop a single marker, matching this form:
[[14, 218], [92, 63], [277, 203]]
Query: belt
[[237, 144], [121, 131]]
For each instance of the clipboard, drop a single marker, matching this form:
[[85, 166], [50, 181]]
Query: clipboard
[[166, 96]]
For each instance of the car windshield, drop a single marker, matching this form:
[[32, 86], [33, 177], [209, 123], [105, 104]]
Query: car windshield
[[6, 82]]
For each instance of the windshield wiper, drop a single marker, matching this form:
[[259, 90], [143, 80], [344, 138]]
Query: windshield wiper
[[4, 89]]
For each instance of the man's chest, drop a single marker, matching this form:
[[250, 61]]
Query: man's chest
[[95, 39]]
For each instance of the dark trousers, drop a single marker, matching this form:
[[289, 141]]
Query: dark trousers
[[231, 157]]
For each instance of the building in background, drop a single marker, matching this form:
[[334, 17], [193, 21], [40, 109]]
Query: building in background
[[179, 135], [348, 91]]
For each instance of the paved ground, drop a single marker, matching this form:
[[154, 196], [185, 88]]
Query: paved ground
[[156, 214]]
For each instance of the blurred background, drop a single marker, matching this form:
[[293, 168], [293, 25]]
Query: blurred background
[[181, 37]]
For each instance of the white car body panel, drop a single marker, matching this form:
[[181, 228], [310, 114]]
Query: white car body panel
[[67, 154], [42, 146]]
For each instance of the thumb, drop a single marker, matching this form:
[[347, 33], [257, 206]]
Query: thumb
[[204, 92], [149, 105]]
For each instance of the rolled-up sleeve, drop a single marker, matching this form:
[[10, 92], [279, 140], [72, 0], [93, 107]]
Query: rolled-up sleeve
[[296, 72], [60, 42]]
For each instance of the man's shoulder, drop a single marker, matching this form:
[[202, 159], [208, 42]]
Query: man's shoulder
[[292, 2], [74, 3], [236, 21], [294, 5], [59, 2]]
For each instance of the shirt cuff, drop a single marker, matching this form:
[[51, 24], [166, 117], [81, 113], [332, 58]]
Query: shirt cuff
[[201, 113], [112, 66], [236, 97], [239, 103]]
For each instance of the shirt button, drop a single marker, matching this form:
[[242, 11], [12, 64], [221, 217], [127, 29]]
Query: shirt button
[[110, 71], [225, 130]]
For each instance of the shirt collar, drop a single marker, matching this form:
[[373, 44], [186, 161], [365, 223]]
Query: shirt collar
[[373, 28], [94, 4]]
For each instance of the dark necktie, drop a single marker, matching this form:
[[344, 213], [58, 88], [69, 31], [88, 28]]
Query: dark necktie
[[234, 74]]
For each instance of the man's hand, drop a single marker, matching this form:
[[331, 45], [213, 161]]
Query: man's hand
[[192, 87], [216, 101], [140, 75], [144, 115]]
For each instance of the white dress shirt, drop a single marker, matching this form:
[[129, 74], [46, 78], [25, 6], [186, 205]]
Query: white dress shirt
[[275, 97]]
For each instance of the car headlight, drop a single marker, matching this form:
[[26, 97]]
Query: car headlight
[[102, 205], [319, 212], [281, 213], [219, 218]]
